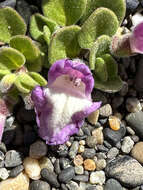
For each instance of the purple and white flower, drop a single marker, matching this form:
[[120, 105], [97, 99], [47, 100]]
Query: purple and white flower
[[63, 104]]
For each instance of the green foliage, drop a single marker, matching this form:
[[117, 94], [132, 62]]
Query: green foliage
[[31, 52], [7, 82], [64, 44], [101, 22], [11, 24], [117, 6], [64, 12], [37, 24]]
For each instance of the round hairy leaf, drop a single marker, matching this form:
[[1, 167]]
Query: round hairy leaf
[[31, 52], [117, 6], [6, 82], [64, 44], [11, 24], [101, 69], [38, 78], [11, 59], [64, 12], [37, 24], [101, 22], [100, 47], [4, 72]]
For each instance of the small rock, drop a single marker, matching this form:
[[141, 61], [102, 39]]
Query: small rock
[[135, 120], [137, 152], [73, 150], [78, 160], [126, 170], [133, 105], [39, 185], [97, 177], [57, 166], [91, 141], [124, 89], [88, 153], [89, 165], [32, 168], [112, 153], [3, 147], [46, 163], [38, 150], [3, 173], [127, 144], [98, 134], [13, 158], [135, 138], [100, 164], [79, 170], [65, 163], [50, 177], [8, 3], [62, 150], [82, 142], [81, 148], [106, 110], [72, 185], [130, 130], [21, 182], [114, 123], [112, 184], [66, 175], [131, 6], [117, 101], [81, 178], [1, 156], [93, 117], [9, 134], [16, 171]]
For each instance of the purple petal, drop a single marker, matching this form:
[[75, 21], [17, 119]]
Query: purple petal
[[136, 39], [2, 123]]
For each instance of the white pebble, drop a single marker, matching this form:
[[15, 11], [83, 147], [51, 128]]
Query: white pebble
[[97, 178]]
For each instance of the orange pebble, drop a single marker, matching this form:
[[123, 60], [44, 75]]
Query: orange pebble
[[114, 123], [89, 165], [78, 160]]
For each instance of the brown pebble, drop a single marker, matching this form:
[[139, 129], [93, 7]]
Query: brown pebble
[[137, 152], [89, 165], [93, 117], [98, 134], [114, 123], [78, 160]]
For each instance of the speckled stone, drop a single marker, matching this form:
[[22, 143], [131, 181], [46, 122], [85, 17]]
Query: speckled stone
[[137, 152], [78, 160], [98, 134], [93, 117], [13, 158], [89, 165], [127, 144], [3, 173], [74, 149], [112, 184], [106, 110], [91, 141], [97, 177], [112, 153]]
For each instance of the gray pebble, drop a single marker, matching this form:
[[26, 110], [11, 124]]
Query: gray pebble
[[112, 184], [64, 163], [91, 141], [8, 3], [38, 149], [113, 152], [1, 156], [66, 175], [57, 166], [63, 187], [39, 185], [13, 158], [16, 171], [130, 130], [135, 138], [72, 185], [127, 144], [82, 178], [73, 150], [133, 105], [3, 173], [88, 153]]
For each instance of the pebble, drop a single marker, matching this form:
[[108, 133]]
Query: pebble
[[127, 144], [62, 150], [8, 3], [131, 6], [3, 147], [9, 134], [130, 130], [50, 177], [117, 101], [46, 163], [135, 138], [57, 166], [32, 168], [38, 150], [39, 185], [64, 163], [133, 105], [13, 158], [114, 136], [88, 153], [98, 134], [79, 170], [63, 187], [89, 165], [74, 149], [100, 164], [91, 141], [16, 171], [3, 173], [78, 160], [107, 144], [112, 184], [112, 153], [124, 89], [105, 111], [126, 170], [1, 156], [21, 182], [72, 185], [101, 155], [137, 152], [66, 175], [81, 148], [87, 131], [81, 178], [82, 142], [114, 123], [135, 121], [93, 117], [101, 148], [97, 177]]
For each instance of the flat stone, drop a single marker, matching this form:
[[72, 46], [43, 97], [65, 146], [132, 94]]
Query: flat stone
[[126, 170], [13, 158], [16, 171], [137, 152], [78, 160], [100, 164], [81, 178], [112, 153], [39, 185], [135, 121], [38, 150], [64, 163], [66, 175], [21, 182], [112, 184], [50, 177], [8, 3], [72, 185]]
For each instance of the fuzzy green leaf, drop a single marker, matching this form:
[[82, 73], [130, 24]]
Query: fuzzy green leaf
[[25, 83], [64, 44], [101, 69], [37, 23], [4, 72], [101, 22], [38, 78], [100, 47], [64, 12], [117, 6], [31, 52], [11, 24], [46, 34], [11, 59], [6, 82]]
